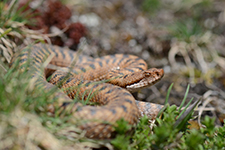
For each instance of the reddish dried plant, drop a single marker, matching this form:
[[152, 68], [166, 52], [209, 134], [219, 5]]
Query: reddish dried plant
[[58, 15], [76, 31]]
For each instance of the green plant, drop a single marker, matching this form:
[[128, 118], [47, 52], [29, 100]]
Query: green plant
[[166, 133], [13, 30], [185, 29], [150, 5]]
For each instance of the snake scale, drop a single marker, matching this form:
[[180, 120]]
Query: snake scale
[[121, 73]]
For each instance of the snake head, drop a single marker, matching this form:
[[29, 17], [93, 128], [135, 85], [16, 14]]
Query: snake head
[[149, 77], [154, 73]]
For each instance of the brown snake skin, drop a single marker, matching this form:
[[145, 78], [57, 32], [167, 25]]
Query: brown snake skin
[[123, 73]]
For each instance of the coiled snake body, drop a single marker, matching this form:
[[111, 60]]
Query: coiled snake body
[[123, 73]]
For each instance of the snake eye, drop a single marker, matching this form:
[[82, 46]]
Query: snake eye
[[147, 74]]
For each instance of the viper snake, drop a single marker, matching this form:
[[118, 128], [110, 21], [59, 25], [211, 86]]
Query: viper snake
[[107, 81]]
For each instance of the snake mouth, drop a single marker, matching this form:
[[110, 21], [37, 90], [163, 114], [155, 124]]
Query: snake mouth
[[142, 84], [152, 76]]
